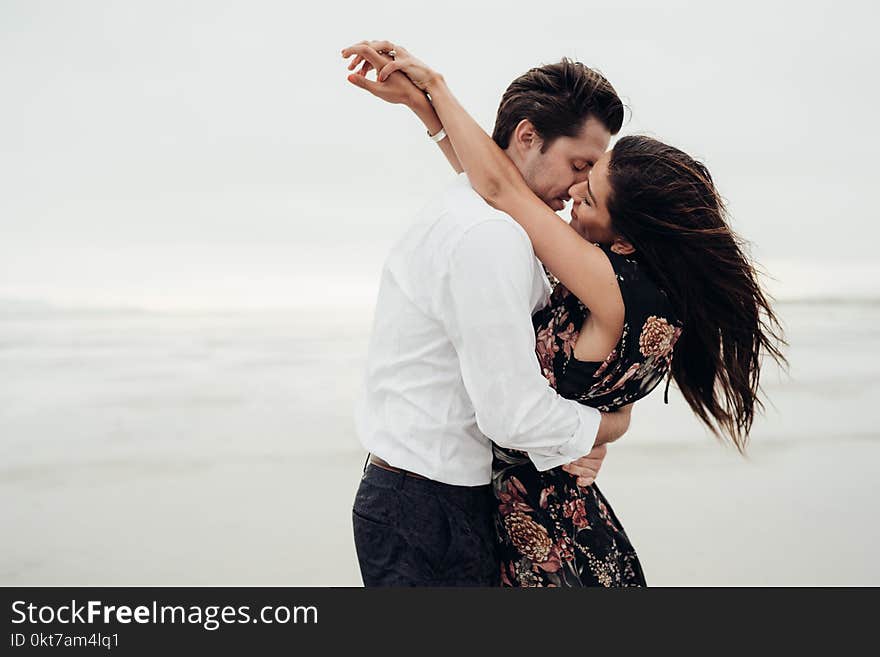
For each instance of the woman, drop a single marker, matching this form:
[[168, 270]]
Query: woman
[[665, 291]]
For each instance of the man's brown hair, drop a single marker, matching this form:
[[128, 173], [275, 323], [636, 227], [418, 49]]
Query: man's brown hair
[[557, 99]]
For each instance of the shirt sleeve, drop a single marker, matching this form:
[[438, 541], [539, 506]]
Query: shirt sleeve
[[487, 311]]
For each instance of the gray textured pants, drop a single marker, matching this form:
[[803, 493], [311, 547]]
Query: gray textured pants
[[418, 532]]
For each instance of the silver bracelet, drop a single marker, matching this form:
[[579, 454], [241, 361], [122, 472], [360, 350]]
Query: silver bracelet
[[440, 136]]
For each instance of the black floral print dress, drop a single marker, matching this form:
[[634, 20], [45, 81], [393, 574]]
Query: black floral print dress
[[551, 531]]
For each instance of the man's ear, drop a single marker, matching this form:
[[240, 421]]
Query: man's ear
[[525, 136], [621, 246]]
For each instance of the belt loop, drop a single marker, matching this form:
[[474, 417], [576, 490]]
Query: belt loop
[[367, 462]]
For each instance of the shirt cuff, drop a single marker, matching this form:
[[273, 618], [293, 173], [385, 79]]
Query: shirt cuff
[[579, 445]]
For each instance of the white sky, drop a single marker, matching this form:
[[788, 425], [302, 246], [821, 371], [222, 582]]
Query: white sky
[[198, 154]]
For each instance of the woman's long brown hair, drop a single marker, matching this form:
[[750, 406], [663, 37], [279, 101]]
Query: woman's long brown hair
[[665, 203]]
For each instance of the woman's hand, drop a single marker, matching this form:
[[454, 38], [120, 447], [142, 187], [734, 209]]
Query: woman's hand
[[416, 70], [395, 89], [388, 58]]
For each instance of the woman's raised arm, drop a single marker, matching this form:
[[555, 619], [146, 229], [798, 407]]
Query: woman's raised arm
[[581, 267]]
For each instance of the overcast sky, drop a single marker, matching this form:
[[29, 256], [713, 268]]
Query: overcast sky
[[211, 154]]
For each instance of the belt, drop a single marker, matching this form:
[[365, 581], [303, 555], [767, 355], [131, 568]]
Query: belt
[[379, 463]]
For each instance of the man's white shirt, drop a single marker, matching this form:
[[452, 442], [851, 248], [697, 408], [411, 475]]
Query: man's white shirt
[[451, 363]]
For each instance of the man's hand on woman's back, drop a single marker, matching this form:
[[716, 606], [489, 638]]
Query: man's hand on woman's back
[[586, 468], [612, 427]]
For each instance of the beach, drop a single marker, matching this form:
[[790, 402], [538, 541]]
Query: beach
[[175, 448]]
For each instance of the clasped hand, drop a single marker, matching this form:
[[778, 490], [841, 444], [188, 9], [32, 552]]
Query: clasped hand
[[401, 79]]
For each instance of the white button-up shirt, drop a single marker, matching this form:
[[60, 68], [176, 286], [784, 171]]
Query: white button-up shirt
[[451, 362]]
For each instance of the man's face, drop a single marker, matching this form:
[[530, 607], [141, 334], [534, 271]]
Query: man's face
[[566, 162]]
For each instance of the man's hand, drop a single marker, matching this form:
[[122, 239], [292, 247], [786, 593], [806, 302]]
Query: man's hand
[[587, 467], [396, 88], [612, 427]]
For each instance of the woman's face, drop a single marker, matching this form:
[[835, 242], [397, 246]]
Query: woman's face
[[589, 214]]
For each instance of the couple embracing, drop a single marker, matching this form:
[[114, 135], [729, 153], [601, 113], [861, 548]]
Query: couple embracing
[[509, 346]]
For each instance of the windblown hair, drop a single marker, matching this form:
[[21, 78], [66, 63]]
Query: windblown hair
[[665, 203], [557, 99]]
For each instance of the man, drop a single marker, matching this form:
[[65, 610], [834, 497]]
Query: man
[[451, 363]]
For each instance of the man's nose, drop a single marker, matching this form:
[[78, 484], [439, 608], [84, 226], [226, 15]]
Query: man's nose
[[581, 176]]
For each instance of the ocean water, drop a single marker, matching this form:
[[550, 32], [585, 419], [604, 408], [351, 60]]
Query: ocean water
[[218, 448], [139, 383]]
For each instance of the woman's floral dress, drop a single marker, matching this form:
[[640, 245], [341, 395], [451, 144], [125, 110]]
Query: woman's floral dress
[[551, 531]]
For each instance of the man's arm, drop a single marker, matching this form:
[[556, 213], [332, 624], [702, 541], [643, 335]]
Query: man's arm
[[487, 313], [614, 425]]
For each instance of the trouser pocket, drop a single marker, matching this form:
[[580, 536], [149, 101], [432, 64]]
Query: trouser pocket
[[380, 552], [401, 536]]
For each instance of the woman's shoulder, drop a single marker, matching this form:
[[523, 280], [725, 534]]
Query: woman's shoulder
[[644, 352], [642, 295], [620, 263]]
